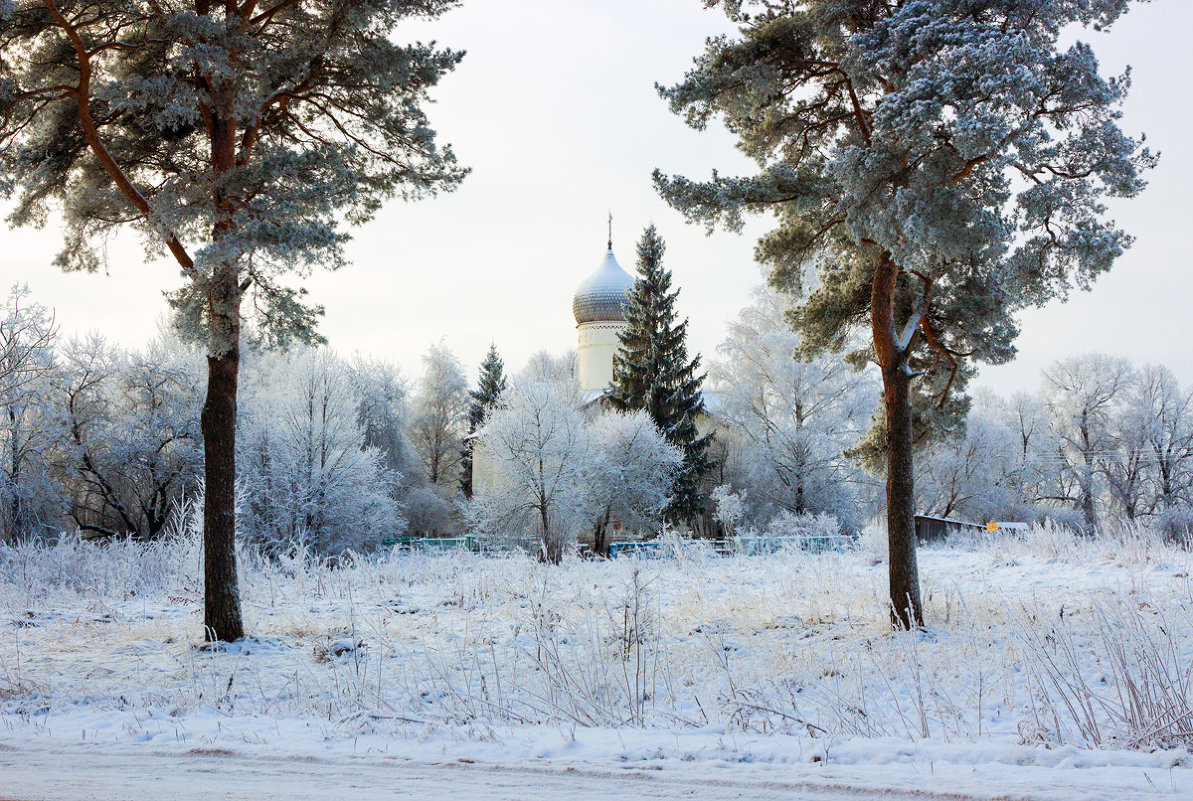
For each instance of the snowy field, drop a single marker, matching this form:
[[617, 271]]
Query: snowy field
[[1053, 668]]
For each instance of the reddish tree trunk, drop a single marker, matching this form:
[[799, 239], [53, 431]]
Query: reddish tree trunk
[[906, 609], [900, 503], [221, 617]]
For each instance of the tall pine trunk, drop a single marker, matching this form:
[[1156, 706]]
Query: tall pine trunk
[[221, 616], [221, 592], [906, 610]]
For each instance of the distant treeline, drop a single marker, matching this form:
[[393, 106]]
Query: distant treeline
[[343, 453]]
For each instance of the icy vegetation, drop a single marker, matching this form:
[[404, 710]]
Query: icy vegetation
[[1044, 648]]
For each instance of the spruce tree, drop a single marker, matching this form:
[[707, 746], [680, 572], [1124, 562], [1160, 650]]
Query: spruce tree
[[485, 398], [651, 372]]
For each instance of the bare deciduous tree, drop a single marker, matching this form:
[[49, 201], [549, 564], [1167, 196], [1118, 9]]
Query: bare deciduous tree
[[1083, 393], [29, 497]]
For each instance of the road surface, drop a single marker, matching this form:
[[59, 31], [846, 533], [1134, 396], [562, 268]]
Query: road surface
[[84, 774]]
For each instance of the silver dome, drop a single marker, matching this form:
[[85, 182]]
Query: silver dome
[[601, 296]]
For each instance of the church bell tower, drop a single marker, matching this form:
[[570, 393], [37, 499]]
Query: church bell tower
[[600, 318]]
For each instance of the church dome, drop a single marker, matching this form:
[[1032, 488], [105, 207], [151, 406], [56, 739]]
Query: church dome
[[601, 296]]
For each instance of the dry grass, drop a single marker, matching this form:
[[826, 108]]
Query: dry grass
[[1042, 638]]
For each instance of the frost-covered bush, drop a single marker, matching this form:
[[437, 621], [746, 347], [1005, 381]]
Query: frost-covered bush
[[32, 500], [540, 447], [872, 542], [789, 524], [631, 473], [557, 470], [306, 472], [1177, 525], [1069, 519], [439, 417], [428, 513], [729, 507], [973, 476], [134, 448]]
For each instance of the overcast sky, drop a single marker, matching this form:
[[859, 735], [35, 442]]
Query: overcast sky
[[555, 110]]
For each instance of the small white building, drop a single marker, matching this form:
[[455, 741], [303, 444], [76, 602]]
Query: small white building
[[598, 307]]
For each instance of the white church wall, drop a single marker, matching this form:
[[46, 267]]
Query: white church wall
[[598, 342]]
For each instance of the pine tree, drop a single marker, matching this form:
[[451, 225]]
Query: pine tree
[[239, 139], [651, 372], [485, 398], [941, 166]]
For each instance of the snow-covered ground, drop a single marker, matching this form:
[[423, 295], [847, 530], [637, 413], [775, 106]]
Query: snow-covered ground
[[1053, 668]]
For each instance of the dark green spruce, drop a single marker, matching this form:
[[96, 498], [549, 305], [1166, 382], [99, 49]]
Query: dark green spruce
[[485, 397], [652, 372]]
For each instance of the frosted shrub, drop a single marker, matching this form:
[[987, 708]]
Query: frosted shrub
[[788, 422], [729, 506], [540, 448], [306, 473], [789, 524], [1177, 526], [872, 541], [685, 552], [430, 513]]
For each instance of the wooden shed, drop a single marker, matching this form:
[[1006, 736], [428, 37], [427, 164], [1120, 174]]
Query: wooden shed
[[935, 529]]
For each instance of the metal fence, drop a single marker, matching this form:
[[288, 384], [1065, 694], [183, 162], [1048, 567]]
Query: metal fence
[[643, 549], [429, 544], [469, 542], [640, 549], [814, 543], [744, 546]]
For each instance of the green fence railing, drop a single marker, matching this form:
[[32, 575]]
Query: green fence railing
[[644, 549]]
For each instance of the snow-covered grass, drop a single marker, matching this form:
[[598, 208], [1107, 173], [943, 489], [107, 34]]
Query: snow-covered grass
[[1043, 649]]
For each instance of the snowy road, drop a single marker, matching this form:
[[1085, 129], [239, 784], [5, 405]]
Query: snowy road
[[77, 774]]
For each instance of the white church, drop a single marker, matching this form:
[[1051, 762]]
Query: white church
[[600, 319], [599, 309]]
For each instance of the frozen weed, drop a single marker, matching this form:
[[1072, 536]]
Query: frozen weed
[[1039, 637]]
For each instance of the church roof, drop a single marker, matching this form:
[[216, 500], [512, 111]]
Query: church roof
[[601, 295]]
